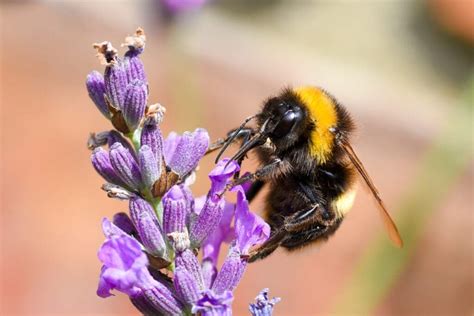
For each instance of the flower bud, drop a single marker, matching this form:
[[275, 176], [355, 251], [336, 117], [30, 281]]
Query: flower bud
[[101, 161], [115, 80], [143, 305], [134, 103], [150, 168], [133, 64], [96, 87], [125, 166], [188, 261], [230, 274], [161, 298], [146, 223], [174, 210], [186, 286], [115, 137], [151, 136], [207, 220], [182, 153]]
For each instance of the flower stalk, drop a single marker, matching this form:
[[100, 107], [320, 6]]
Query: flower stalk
[[150, 252]]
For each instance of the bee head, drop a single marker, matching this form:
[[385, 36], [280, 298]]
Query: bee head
[[283, 120], [308, 116]]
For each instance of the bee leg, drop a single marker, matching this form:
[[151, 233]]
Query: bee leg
[[260, 174], [307, 226], [232, 136], [299, 221], [314, 233], [254, 189], [317, 213], [268, 246], [245, 135]]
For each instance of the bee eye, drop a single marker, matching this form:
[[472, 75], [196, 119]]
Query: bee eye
[[284, 126]]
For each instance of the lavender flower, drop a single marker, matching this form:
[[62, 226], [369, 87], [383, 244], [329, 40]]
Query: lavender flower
[[125, 266], [263, 306], [212, 304], [167, 226], [125, 269]]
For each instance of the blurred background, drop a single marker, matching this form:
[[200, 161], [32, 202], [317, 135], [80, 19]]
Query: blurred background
[[402, 68]]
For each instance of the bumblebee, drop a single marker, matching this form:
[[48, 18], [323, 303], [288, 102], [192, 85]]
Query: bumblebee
[[302, 141]]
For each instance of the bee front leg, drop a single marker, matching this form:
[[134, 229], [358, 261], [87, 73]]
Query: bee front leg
[[232, 136], [261, 174]]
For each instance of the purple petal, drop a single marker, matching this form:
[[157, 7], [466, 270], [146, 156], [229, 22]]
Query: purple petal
[[104, 287], [96, 88], [263, 306], [149, 166], [199, 203], [101, 161], [125, 266], [134, 103], [230, 273], [207, 220], [146, 223], [175, 210], [182, 153], [186, 286], [125, 166], [250, 228], [212, 244], [188, 261], [122, 221], [115, 80], [212, 304], [110, 229], [222, 174]]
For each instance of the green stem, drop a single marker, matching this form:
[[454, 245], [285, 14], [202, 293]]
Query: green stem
[[134, 137]]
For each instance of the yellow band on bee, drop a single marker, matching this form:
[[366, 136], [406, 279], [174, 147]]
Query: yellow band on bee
[[343, 203], [323, 112]]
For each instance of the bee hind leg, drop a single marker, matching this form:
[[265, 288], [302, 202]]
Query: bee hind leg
[[298, 230], [306, 227]]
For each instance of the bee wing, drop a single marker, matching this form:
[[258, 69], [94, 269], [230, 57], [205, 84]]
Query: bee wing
[[387, 220]]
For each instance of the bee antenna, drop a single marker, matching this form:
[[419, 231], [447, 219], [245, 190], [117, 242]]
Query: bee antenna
[[234, 135]]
